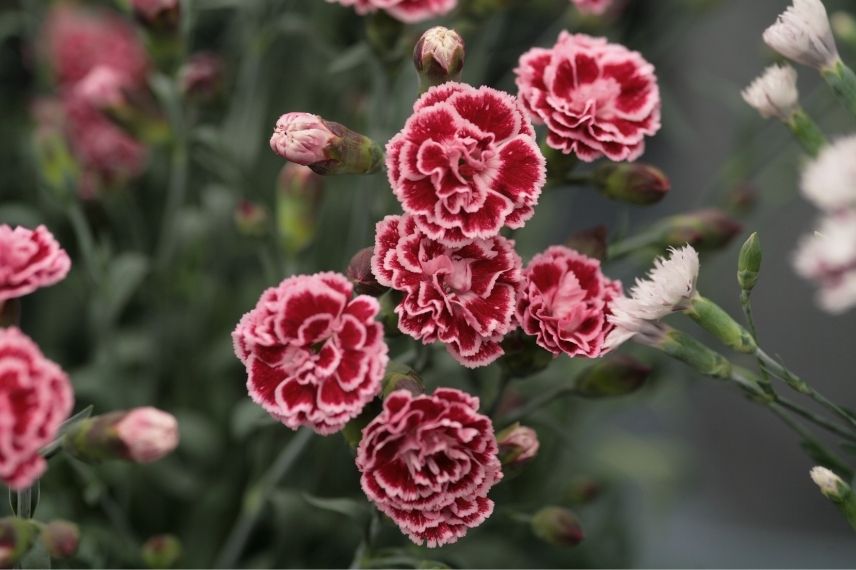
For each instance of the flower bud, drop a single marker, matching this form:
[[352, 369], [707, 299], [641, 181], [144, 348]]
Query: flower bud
[[157, 15], [16, 538], [831, 485], [631, 182], [557, 526], [251, 219], [708, 229], [324, 146], [616, 375], [161, 551], [712, 318], [201, 77], [518, 445], [742, 199], [439, 56], [298, 199], [401, 377], [360, 273], [583, 490], [523, 357], [591, 242], [749, 263], [60, 539], [141, 435]]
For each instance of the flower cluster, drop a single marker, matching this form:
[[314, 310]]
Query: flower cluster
[[29, 259], [410, 11], [596, 98]]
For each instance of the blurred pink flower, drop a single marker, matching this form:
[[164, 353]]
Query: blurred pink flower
[[828, 257], [466, 164], [428, 463], [302, 138], [35, 398], [202, 75], [158, 13], [596, 98], [565, 301], [29, 259], [592, 6], [409, 11], [148, 434], [461, 296], [103, 88], [314, 355]]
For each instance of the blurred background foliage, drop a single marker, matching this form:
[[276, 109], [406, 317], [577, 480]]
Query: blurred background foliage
[[682, 473]]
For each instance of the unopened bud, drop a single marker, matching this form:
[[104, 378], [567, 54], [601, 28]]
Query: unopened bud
[[439, 56], [158, 15], [705, 230], [632, 182], [201, 78], [583, 490], [324, 146], [251, 219], [712, 318], [592, 242], [616, 375], [16, 538], [161, 551], [523, 357], [298, 199], [831, 485], [557, 526], [742, 199], [60, 539], [518, 445], [360, 273], [749, 263], [401, 377], [141, 435]]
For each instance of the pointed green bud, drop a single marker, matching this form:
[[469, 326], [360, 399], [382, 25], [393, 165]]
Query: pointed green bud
[[613, 376], [251, 219], [749, 263], [161, 551], [439, 57], [836, 490], [631, 182], [401, 377], [557, 526], [705, 230], [583, 490], [16, 538], [523, 357], [712, 318]]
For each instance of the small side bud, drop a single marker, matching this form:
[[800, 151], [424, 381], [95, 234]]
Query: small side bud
[[557, 526], [201, 77], [251, 219], [831, 485], [360, 273], [439, 56], [583, 490], [705, 230], [401, 377], [141, 435], [523, 357], [299, 193], [592, 242], [613, 376], [749, 263], [16, 538], [324, 146], [60, 539], [518, 445], [741, 199], [632, 182], [157, 15], [161, 551]]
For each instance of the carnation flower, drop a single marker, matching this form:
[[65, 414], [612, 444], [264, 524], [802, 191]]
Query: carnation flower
[[803, 34], [409, 11], [147, 434], [466, 164], [592, 6], [828, 256], [428, 463], [29, 259], [314, 355], [596, 98], [669, 287], [829, 181], [35, 398], [103, 87], [202, 75], [461, 296], [774, 93], [565, 302]]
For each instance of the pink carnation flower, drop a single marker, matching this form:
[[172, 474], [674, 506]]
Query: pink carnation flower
[[565, 301], [29, 259], [461, 296], [314, 355], [592, 6], [596, 98], [35, 398], [148, 434], [466, 164], [409, 11], [428, 463]]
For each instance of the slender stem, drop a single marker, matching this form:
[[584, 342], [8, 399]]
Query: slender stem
[[364, 550], [85, 240], [504, 380], [536, 404], [746, 305], [806, 435], [631, 245], [24, 499], [815, 419], [579, 179], [177, 189], [257, 497]]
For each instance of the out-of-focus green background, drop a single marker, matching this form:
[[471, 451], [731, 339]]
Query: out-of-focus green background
[[694, 475]]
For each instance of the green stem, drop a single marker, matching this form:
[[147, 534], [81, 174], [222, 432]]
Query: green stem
[[85, 240], [807, 437], [364, 550], [177, 189], [24, 500], [815, 419], [631, 245], [257, 497], [536, 404], [504, 380]]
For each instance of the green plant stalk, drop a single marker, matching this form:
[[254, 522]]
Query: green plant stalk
[[746, 305], [807, 132], [257, 497], [717, 322], [803, 433], [842, 79], [536, 404], [815, 419], [631, 245]]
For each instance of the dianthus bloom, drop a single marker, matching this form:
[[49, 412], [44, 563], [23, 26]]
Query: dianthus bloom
[[409, 11], [29, 259], [565, 302], [774, 93], [828, 256], [461, 296], [35, 398], [596, 98], [314, 355], [802, 33], [428, 462], [829, 181], [466, 164], [592, 6]]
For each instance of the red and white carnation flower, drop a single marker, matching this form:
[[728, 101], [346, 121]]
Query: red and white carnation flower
[[596, 98], [35, 398], [466, 164], [409, 11], [314, 355], [29, 259], [428, 462], [565, 302], [461, 296]]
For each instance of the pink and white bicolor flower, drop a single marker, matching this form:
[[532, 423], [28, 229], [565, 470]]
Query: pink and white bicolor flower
[[29, 260]]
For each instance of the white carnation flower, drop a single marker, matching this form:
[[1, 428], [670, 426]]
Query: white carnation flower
[[828, 257], [829, 181], [774, 93], [803, 34]]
